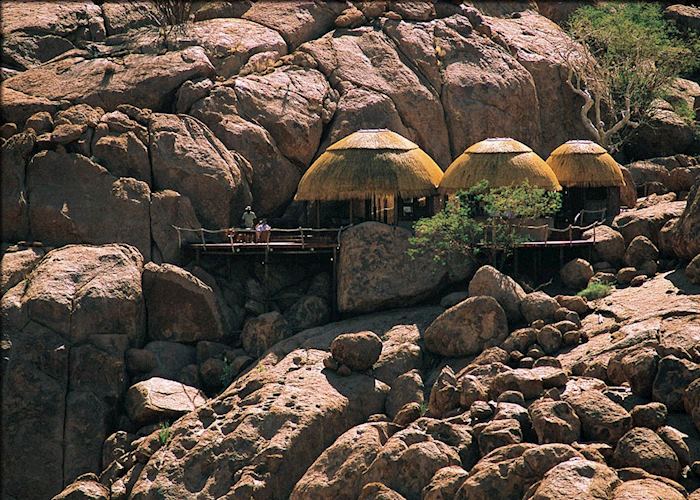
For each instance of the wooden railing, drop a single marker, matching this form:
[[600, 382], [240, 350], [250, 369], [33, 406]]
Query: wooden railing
[[302, 236]]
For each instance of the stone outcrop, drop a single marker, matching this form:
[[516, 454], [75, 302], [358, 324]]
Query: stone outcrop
[[576, 273], [142, 80], [15, 154], [338, 471], [181, 307], [35, 35], [74, 200], [467, 328], [489, 281], [358, 351], [686, 243], [17, 265], [159, 400], [79, 309], [577, 479], [375, 271], [189, 159], [647, 221]]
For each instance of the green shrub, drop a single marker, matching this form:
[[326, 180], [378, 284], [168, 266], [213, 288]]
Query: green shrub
[[482, 218], [228, 374], [595, 291], [164, 433]]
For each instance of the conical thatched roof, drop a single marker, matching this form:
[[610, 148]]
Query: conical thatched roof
[[500, 161], [369, 163], [585, 164]]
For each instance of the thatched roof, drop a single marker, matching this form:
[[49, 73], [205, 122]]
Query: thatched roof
[[370, 163], [585, 164], [500, 161]]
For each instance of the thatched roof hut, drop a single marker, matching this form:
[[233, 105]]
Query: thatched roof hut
[[367, 164], [585, 164], [500, 161]]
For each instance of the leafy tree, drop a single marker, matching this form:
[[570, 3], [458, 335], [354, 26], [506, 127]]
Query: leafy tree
[[482, 218], [622, 57]]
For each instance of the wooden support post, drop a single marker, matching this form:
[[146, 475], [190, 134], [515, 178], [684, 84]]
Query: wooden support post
[[396, 210], [334, 285]]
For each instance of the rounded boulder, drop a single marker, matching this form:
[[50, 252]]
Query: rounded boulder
[[358, 351], [467, 328]]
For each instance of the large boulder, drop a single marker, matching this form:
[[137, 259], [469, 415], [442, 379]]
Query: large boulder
[[15, 154], [609, 245], [181, 307], [405, 97], [648, 172], [491, 282], [87, 487], [168, 209], [65, 330], [375, 271], [32, 36], [296, 21], [665, 133], [223, 112], [576, 273], [686, 234], [577, 478], [692, 270], [467, 328], [295, 389], [120, 17], [142, 80], [673, 375], [539, 54], [601, 419], [647, 221], [643, 448], [639, 251], [409, 459], [121, 146], [538, 306], [15, 266], [628, 192], [188, 158], [264, 331], [357, 351], [554, 421], [74, 200], [686, 17], [158, 400], [510, 471], [338, 471], [647, 488]]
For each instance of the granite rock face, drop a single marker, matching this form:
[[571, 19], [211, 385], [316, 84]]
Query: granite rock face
[[65, 329], [375, 271]]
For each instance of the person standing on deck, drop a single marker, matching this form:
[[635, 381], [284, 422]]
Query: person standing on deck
[[248, 220]]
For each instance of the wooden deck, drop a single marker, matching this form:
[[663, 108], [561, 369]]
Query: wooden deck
[[308, 246]]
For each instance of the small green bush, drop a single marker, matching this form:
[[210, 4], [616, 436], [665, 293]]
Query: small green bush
[[228, 374], [164, 433], [595, 291], [423, 408]]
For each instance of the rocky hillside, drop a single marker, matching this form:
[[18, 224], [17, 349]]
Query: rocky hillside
[[130, 372]]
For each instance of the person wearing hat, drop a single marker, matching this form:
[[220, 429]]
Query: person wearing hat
[[248, 219]]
